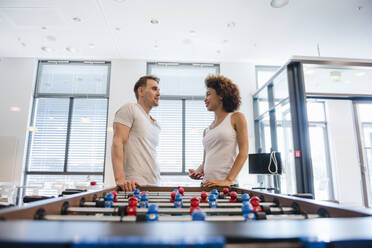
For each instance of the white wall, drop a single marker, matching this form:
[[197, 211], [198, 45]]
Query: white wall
[[17, 79], [344, 153]]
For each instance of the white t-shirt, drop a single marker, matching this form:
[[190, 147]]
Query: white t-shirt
[[140, 161]]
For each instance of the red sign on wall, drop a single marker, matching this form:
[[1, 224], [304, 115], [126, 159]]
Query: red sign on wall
[[297, 153]]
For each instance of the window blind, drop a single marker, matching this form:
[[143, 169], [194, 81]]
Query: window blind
[[181, 114]]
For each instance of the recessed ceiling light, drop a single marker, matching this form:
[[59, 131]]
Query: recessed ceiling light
[[154, 21], [278, 3], [231, 24], [91, 45], [51, 38], [15, 108], [71, 49], [47, 49], [76, 19]]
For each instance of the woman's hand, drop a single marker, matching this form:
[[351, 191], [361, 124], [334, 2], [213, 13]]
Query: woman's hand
[[195, 174], [214, 183]]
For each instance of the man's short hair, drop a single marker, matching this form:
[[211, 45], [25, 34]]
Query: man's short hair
[[142, 82]]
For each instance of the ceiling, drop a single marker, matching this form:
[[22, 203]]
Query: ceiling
[[192, 30]]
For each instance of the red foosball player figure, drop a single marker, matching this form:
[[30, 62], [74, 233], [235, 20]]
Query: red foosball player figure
[[203, 197], [233, 196], [132, 206], [173, 196], [181, 190], [115, 195], [255, 201], [194, 204], [226, 191]]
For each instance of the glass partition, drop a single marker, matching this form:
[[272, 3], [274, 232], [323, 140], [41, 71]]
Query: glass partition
[[337, 79], [283, 126], [261, 101], [280, 87]]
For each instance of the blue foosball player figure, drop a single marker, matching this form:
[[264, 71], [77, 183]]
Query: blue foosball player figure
[[215, 192], [245, 198], [137, 193], [198, 215], [144, 202], [109, 198], [212, 201], [178, 201], [152, 213], [247, 210]]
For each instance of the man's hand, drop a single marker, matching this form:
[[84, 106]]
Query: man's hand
[[195, 174], [214, 183], [127, 185]]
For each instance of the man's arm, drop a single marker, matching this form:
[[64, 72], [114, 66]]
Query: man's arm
[[121, 134]]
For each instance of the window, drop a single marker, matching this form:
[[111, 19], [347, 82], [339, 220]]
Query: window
[[323, 185], [181, 114], [67, 133], [264, 73]]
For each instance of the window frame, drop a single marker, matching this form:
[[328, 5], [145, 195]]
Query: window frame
[[274, 69], [182, 98], [71, 98]]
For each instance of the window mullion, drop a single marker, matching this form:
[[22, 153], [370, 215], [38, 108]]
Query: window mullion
[[70, 110], [183, 135]]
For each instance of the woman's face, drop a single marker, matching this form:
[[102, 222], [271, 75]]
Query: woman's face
[[212, 100]]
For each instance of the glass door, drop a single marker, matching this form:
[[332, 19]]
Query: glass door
[[364, 113], [319, 148]]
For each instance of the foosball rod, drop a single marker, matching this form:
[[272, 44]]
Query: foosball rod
[[174, 218], [185, 204], [272, 210]]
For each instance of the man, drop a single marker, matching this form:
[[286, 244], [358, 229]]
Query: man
[[136, 136]]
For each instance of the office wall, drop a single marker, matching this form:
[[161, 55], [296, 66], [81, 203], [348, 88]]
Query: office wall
[[17, 79]]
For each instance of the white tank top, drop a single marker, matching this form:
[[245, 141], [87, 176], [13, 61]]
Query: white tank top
[[220, 145]]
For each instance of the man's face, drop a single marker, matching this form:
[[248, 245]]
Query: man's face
[[151, 93]]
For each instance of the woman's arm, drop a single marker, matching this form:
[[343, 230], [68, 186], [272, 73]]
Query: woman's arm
[[199, 172], [240, 125]]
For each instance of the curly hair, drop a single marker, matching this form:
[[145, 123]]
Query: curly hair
[[225, 88]]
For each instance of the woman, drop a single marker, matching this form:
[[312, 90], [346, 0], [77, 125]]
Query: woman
[[221, 162]]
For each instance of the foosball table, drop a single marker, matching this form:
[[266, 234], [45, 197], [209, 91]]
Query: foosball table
[[182, 217]]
